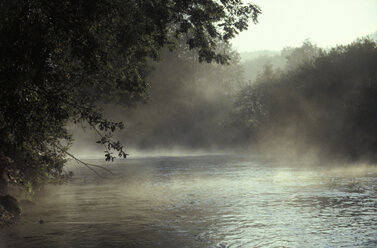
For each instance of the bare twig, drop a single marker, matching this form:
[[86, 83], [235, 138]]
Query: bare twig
[[88, 165], [100, 135]]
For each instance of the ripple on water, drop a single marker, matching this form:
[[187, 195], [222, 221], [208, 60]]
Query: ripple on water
[[203, 202]]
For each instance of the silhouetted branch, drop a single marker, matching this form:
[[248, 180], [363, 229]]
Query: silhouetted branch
[[88, 165]]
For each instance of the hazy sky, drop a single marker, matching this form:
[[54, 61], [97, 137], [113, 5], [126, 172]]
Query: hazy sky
[[325, 22]]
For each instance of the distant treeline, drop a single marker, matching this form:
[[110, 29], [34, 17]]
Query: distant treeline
[[323, 104]]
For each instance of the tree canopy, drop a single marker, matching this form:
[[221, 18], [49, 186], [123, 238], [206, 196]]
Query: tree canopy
[[60, 59], [323, 104]]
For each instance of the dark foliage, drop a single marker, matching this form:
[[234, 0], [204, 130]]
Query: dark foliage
[[61, 59], [326, 104]]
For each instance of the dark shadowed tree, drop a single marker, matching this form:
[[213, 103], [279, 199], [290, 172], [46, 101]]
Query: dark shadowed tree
[[61, 59], [325, 104]]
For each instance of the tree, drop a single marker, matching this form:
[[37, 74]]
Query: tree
[[61, 59], [324, 105], [300, 55]]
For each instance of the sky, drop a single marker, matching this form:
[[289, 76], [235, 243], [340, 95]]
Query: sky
[[326, 23]]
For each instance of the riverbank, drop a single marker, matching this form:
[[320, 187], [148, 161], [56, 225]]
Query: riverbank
[[6, 217], [9, 210]]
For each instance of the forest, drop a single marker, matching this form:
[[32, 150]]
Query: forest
[[321, 104]]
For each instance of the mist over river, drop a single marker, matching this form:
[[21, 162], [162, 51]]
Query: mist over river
[[203, 201]]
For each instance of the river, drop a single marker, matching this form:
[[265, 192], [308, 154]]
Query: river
[[203, 201]]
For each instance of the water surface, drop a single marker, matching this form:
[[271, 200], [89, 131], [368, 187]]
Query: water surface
[[203, 201]]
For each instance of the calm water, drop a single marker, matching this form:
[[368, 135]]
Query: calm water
[[207, 201]]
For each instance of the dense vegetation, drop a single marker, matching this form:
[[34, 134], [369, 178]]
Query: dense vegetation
[[324, 104], [60, 60]]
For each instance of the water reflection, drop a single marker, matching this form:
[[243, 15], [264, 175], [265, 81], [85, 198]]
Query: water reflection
[[209, 201]]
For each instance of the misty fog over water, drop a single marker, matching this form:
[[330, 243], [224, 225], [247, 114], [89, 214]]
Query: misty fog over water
[[204, 201], [305, 124], [304, 121], [141, 124]]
